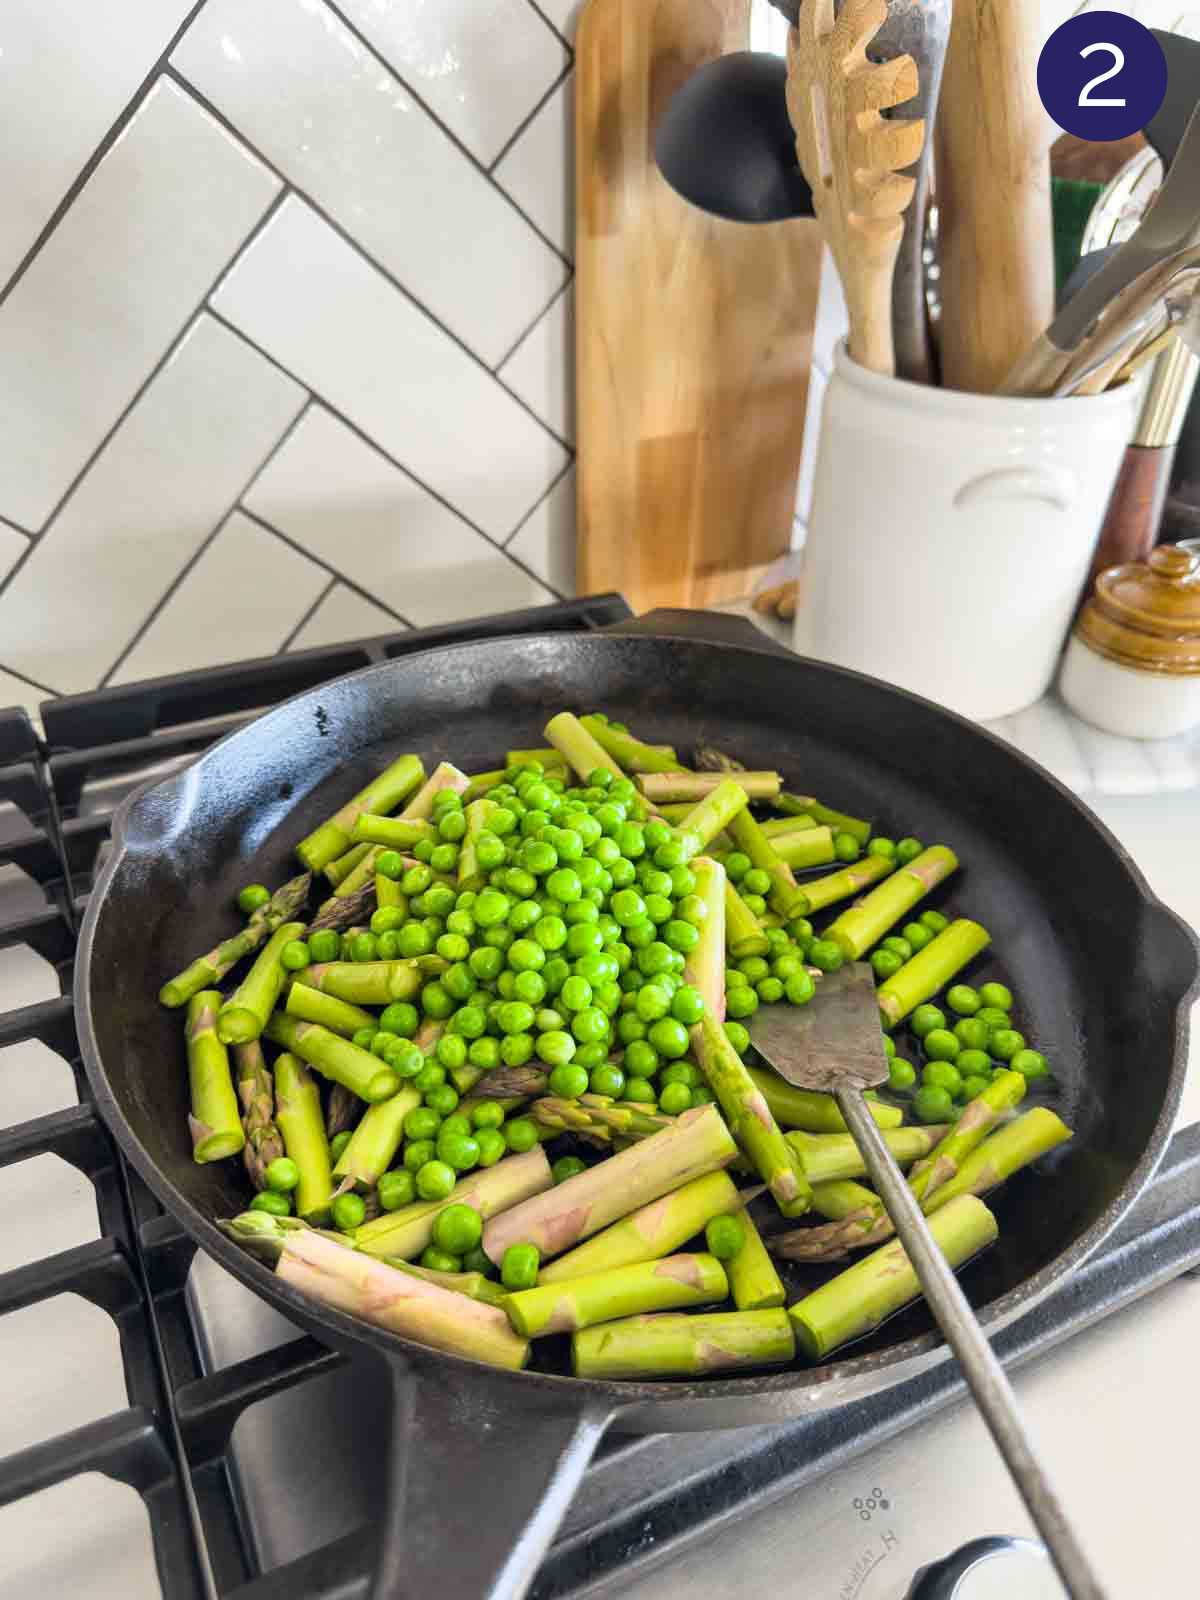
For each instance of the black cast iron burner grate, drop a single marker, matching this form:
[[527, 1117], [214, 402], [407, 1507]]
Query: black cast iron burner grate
[[643, 1498]]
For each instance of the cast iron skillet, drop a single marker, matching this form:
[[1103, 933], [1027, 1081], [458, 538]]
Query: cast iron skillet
[[485, 1462]]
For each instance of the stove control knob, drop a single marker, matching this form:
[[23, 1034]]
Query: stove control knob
[[990, 1569]]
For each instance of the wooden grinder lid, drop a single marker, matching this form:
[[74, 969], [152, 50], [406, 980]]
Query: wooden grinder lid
[[1147, 614]]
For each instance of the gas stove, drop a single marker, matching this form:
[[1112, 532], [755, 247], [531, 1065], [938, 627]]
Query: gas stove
[[163, 1431]]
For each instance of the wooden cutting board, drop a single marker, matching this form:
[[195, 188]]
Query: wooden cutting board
[[693, 335]]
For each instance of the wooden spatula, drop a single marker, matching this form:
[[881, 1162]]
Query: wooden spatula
[[851, 155], [835, 1045]]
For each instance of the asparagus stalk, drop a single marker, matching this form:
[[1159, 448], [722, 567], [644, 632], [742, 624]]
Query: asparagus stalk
[[304, 1138], [654, 1230], [749, 837], [360, 877], [510, 1083], [244, 1015], [675, 1345], [859, 1299], [473, 1284], [664, 1285], [335, 1058], [744, 934], [428, 1034], [339, 1016], [444, 776], [342, 866], [629, 752], [978, 1118], [389, 893], [923, 974], [864, 924], [780, 827], [495, 1189], [215, 1124], [704, 967], [813, 1112], [697, 1142], [1007, 1150], [753, 1281], [341, 1110], [384, 793], [483, 783], [399, 1301], [256, 1091], [804, 805], [597, 1116], [807, 847], [374, 1142], [394, 833], [857, 1218], [708, 759], [208, 970], [465, 1078], [546, 754], [372, 983], [820, 892], [824, 1156], [711, 815], [578, 747], [479, 814], [679, 784], [342, 911]]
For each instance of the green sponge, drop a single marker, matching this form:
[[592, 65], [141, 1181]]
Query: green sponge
[[1072, 202]]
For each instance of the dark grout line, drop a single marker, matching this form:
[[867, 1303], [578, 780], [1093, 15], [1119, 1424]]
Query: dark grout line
[[370, 261], [42, 688], [338, 577], [538, 12], [205, 544], [138, 395], [130, 110], [521, 126], [543, 313], [536, 506], [15, 527], [374, 445], [310, 613]]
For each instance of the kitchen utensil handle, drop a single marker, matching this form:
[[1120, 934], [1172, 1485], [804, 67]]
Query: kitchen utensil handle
[[984, 1374], [480, 1480], [1135, 510]]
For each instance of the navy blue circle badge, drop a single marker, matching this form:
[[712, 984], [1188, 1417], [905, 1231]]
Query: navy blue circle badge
[[1101, 75]]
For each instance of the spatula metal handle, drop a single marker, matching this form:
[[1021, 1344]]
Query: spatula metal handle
[[984, 1374]]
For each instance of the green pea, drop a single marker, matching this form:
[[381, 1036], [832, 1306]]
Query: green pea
[[800, 988], [607, 1080], [925, 1019], [417, 1154], [590, 1027], [414, 940], [933, 1104], [272, 1202], [400, 1018], [826, 955], [575, 994], [435, 1180], [459, 1151], [1006, 1043], [655, 958], [295, 955], [252, 897], [994, 1017], [443, 1099], [640, 1091], [364, 1038], [908, 850], [675, 1098], [433, 1074], [567, 1167], [687, 1005], [556, 1047], [901, 1074], [917, 936], [942, 1075], [901, 946], [641, 1059], [338, 1143], [669, 1038], [940, 1044], [492, 1146], [324, 945], [486, 963], [972, 1034], [396, 1190], [282, 1175], [737, 865], [364, 947], [725, 1236], [974, 1086], [935, 921], [881, 846], [996, 994], [681, 1072], [756, 881], [885, 964], [435, 1260], [348, 1212], [519, 1268], [770, 991], [390, 864]]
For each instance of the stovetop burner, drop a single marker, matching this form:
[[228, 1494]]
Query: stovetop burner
[[219, 1401]]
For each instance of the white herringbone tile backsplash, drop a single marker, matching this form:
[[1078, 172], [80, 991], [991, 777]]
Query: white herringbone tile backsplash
[[285, 326]]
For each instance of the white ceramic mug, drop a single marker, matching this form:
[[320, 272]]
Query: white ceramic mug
[[950, 534]]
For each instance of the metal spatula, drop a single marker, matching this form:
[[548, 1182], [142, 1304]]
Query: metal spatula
[[835, 1045]]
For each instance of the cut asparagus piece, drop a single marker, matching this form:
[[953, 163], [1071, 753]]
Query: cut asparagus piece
[[709, 759], [340, 868], [335, 1058], [679, 784], [779, 827], [600, 1117], [813, 1112], [244, 1015], [304, 1136], [339, 1016], [864, 924], [744, 935], [444, 776], [215, 1123], [256, 1091], [807, 847], [742, 1102], [1007, 1150], [930, 969], [664, 1285], [578, 747], [652, 1231], [697, 1143], [676, 1345], [361, 876], [372, 983], [342, 1110], [857, 1218], [495, 1189], [749, 838], [383, 794], [711, 815], [866, 1294], [753, 1281], [402, 1302], [546, 754], [820, 892], [208, 970], [479, 814], [704, 966], [394, 833], [978, 1118], [342, 911], [629, 752], [389, 893], [473, 1284], [804, 805], [375, 1141], [510, 1083], [825, 1156]]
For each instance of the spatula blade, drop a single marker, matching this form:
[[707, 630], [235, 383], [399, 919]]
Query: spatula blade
[[836, 1039]]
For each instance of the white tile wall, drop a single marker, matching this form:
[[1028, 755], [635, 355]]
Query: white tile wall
[[216, 216]]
